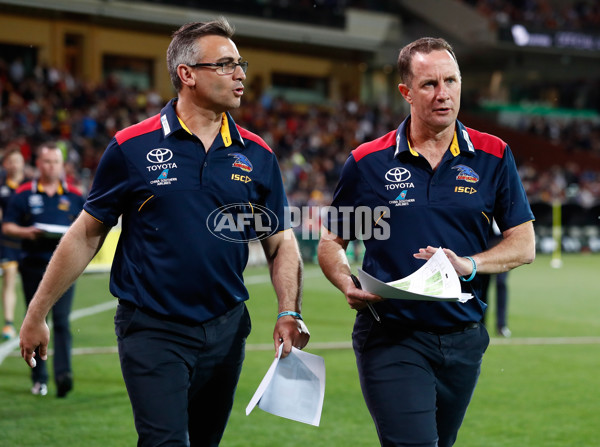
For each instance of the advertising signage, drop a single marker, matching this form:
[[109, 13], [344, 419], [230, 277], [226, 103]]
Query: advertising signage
[[522, 37]]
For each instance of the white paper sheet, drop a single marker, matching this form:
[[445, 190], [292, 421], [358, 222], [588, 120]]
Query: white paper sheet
[[293, 388], [436, 280], [51, 230]]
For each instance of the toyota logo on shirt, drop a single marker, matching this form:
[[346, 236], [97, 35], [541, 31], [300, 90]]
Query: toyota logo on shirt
[[397, 175], [159, 155]]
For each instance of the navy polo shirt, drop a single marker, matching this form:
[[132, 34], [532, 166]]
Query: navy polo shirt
[[187, 213], [451, 207], [30, 205], [7, 190], [9, 246]]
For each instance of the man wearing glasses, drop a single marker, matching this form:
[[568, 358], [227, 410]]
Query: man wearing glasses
[[192, 189]]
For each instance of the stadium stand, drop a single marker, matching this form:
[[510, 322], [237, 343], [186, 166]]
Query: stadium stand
[[559, 157], [541, 14]]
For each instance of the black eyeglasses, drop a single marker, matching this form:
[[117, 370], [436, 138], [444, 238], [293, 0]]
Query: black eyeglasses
[[224, 67]]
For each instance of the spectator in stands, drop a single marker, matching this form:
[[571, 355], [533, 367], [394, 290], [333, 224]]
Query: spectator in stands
[[29, 114], [541, 14]]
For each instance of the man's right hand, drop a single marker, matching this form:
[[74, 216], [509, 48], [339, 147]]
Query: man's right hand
[[357, 298], [34, 333]]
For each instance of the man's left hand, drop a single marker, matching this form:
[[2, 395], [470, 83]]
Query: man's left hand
[[290, 331]]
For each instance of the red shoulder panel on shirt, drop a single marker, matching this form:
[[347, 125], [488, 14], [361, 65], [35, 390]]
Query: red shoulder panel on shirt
[[74, 189], [24, 187], [487, 142], [146, 126], [379, 144], [246, 134]]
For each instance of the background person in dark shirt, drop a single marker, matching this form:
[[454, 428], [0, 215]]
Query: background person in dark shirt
[[51, 201]]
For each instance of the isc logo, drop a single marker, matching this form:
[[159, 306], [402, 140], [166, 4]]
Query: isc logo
[[465, 189], [241, 178]]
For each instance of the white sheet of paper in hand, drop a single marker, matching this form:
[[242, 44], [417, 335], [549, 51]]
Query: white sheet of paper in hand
[[436, 280], [51, 230], [293, 388]]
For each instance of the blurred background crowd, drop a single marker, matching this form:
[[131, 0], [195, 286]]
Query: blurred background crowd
[[541, 14], [557, 115], [312, 142]]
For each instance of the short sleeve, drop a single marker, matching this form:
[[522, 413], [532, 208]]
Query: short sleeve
[[340, 219], [110, 186], [275, 200], [512, 206]]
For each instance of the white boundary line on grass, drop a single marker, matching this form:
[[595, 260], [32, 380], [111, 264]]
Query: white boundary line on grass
[[9, 346], [326, 346]]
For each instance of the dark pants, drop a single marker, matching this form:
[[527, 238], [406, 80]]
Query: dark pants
[[501, 296], [181, 378], [417, 385], [31, 271]]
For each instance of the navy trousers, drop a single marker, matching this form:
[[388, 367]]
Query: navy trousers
[[501, 296], [181, 378], [416, 384], [32, 271]]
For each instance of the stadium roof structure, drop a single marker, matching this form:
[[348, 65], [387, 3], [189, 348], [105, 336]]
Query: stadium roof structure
[[361, 30], [376, 33]]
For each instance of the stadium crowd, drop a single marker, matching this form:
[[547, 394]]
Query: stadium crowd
[[578, 15], [312, 142], [574, 135]]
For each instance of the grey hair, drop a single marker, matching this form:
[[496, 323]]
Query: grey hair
[[183, 48]]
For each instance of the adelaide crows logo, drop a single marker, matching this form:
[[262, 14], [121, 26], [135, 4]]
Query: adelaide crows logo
[[466, 173], [241, 161]]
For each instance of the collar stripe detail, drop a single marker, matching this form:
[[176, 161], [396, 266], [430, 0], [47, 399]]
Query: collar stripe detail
[[454, 148], [466, 137], [12, 184], [38, 187], [180, 122], [225, 134], [412, 151], [165, 125]]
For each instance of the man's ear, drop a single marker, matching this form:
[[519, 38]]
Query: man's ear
[[405, 92], [186, 74]]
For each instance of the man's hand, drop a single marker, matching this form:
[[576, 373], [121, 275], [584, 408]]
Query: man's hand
[[357, 298], [290, 331], [12, 229], [463, 266], [31, 233], [34, 334]]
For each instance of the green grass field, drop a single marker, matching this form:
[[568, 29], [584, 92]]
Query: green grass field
[[539, 389]]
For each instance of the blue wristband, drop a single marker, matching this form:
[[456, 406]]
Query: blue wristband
[[291, 313], [473, 273]]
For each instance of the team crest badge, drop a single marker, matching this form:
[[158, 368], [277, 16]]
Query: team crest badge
[[466, 173], [242, 162]]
